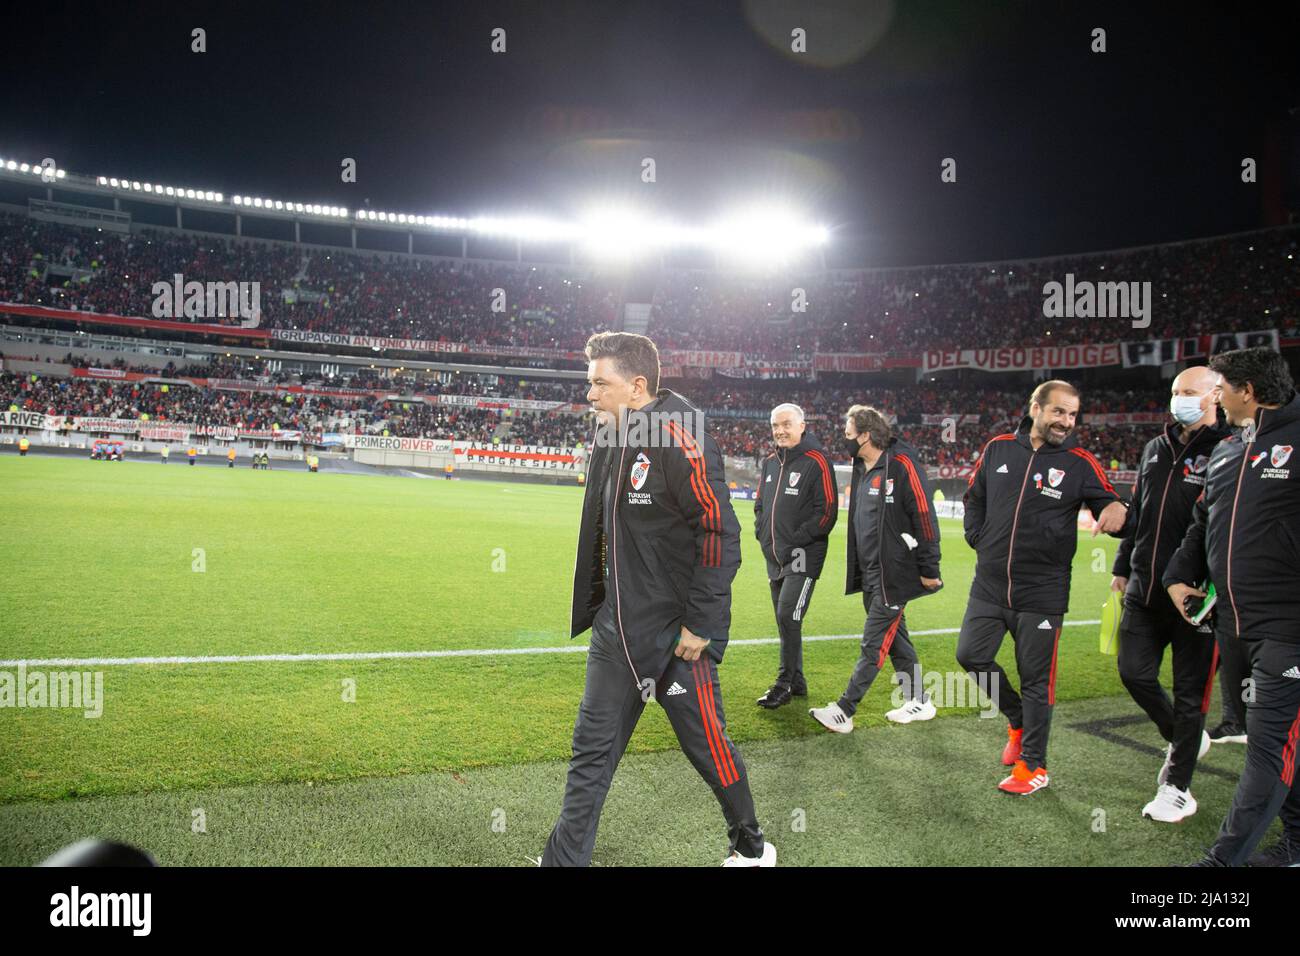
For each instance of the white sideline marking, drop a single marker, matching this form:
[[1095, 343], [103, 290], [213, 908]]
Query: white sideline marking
[[408, 655]]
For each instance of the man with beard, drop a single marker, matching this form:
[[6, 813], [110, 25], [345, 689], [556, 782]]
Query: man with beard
[[1022, 505], [794, 512]]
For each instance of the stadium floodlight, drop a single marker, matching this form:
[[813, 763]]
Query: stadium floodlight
[[103, 180], [258, 202], [218, 197], [12, 165], [23, 168], [112, 182], [762, 235], [171, 191], [343, 211], [61, 174], [279, 204], [135, 185]]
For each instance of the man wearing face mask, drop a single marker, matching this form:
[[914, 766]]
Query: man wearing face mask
[[1171, 477], [1022, 505], [1245, 537], [795, 510], [893, 557]]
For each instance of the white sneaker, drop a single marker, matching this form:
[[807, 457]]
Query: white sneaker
[[912, 710], [1171, 805], [832, 718], [1163, 776], [767, 859]]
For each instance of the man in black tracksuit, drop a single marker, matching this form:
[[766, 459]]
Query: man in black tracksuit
[[1245, 537], [794, 512], [1022, 505], [1171, 477], [893, 557], [658, 548]]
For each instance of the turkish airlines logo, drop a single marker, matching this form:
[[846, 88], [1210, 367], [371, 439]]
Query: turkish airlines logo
[[1054, 476], [640, 469], [1280, 455]]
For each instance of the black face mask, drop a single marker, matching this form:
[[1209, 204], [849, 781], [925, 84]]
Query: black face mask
[[851, 447]]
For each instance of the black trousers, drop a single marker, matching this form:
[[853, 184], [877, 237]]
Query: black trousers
[[1234, 670], [1143, 636], [884, 634], [791, 596], [1267, 785], [612, 703], [1037, 635]]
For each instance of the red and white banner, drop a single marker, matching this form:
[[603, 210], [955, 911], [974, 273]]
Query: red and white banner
[[169, 432], [549, 457], [1127, 418], [1022, 359], [701, 359], [861, 362]]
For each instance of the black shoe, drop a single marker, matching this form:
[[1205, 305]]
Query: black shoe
[[800, 691], [1227, 733], [776, 696], [1285, 852]]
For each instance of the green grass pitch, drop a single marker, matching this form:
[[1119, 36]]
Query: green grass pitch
[[461, 759]]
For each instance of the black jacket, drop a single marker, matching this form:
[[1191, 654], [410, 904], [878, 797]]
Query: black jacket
[[1022, 508], [671, 541], [796, 507], [1171, 476], [1245, 530], [902, 490]]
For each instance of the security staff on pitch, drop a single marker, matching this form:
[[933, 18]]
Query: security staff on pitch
[[795, 509], [1245, 537], [1171, 477], [658, 548], [1022, 505], [893, 556]]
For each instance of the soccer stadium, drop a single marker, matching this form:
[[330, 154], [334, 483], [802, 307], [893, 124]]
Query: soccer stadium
[[296, 482]]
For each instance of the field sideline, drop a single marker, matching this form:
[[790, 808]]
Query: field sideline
[[140, 560]]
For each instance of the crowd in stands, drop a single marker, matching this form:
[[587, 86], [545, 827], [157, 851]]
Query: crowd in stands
[[1237, 283], [747, 437]]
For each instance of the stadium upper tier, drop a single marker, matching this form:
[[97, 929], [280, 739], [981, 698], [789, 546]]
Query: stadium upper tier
[[1244, 282]]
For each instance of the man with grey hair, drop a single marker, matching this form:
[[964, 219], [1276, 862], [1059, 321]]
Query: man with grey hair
[[794, 511]]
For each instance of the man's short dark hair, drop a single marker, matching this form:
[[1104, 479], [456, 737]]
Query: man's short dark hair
[[1264, 369], [1043, 393], [870, 422], [633, 355]]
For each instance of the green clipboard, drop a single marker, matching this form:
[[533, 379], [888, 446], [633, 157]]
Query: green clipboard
[[1112, 612]]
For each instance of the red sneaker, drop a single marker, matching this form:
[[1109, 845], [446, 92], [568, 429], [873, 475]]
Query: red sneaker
[[1011, 752], [1024, 781]]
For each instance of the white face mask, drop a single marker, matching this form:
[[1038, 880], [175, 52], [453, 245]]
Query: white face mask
[[1186, 409]]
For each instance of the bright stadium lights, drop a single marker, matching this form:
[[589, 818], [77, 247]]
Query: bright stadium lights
[[103, 180], [764, 235], [23, 168], [171, 191], [112, 182], [61, 174], [279, 204]]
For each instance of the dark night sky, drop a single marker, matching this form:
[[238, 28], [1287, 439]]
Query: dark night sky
[[1058, 149]]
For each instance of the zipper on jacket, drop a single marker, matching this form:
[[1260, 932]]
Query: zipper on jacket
[[1015, 520], [880, 531], [1232, 525], [613, 560], [776, 494], [1160, 515]]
